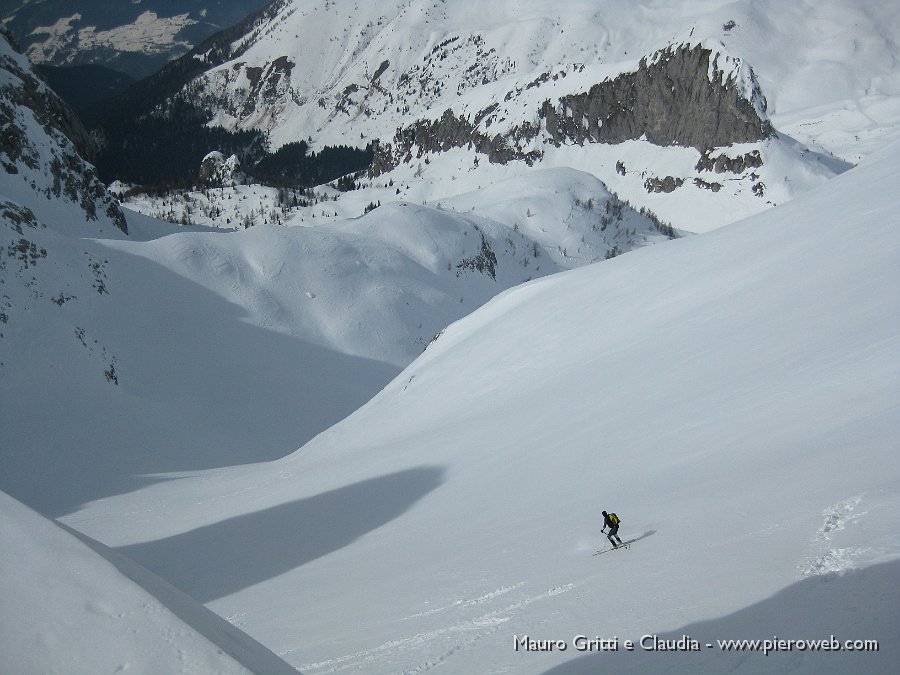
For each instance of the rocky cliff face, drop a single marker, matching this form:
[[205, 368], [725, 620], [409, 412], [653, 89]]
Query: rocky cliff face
[[42, 147], [690, 96], [679, 96], [454, 131]]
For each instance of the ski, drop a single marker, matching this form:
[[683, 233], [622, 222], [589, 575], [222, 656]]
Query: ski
[[607, 550]]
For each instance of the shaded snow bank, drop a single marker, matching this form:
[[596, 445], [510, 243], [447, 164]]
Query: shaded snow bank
[[71, 605], [863, 603]]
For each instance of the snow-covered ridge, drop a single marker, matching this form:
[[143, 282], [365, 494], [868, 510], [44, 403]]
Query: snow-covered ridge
[[381, 284], [467, 72], [610, 106], [423, 78], [427, 53]]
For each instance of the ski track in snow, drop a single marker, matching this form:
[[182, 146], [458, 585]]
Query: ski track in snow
[[457, 636], [467, 603]]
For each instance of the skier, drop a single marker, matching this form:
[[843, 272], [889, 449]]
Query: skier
[[611, 520]]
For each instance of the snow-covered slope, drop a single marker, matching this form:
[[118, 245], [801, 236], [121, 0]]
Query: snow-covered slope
[[433, 52], [732, 396], [70, 605], [262, 338], [422, 76], [380, 286], [295, 327]]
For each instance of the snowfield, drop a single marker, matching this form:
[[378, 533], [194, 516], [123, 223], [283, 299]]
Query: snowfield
[[732, 396]]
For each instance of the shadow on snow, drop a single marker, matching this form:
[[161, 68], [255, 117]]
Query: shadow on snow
[[640, 536], [856, 605], [204, 388], [217, 560]]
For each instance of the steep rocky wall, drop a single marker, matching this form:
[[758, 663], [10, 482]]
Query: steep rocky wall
[[43, 141], [670, 101]]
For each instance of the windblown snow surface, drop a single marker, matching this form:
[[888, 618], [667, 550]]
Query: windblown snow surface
[[733, 396]]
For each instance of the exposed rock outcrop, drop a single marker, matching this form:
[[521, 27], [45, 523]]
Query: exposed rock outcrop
[[43, 143], [678, 96], [722, 163], [452, 131], [692, 96], [708, 185], [218, 171], [667, 184]]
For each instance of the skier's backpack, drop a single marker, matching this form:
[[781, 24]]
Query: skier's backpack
[[614, 519]]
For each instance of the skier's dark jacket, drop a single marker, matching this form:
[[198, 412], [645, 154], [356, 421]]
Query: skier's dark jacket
[[611, 520]]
